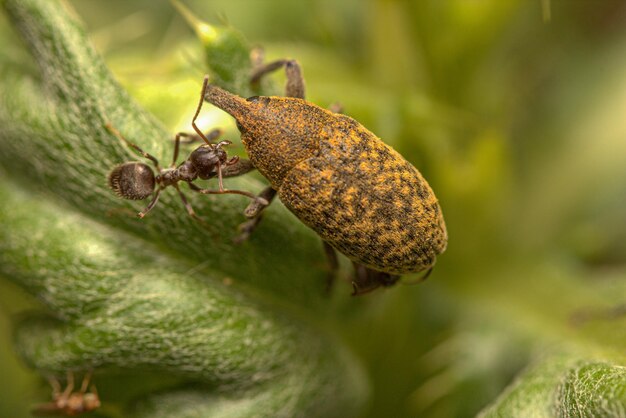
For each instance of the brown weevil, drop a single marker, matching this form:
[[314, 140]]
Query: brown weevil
[[137, 181], [357, 193], [68, 402]]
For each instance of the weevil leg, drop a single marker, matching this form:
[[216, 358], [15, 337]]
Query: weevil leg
[[234, 167], [333, 266], [263, 69], [366, 279], [237, 168], [245, 229], [295, 81], [254, 213], [152, 203], [188, 206], [294, 87], [336, 107], [257, 56], [255, 208], [150, 157]]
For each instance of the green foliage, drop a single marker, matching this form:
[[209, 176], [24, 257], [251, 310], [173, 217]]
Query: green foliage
[[138, 301], [564, 386], [516, 122]]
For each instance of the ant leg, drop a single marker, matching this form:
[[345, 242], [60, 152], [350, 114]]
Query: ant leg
[[190, 138], [211, 135], [197, 189], [333, 265], [190, 210], [85, 384], [220, 177], [148, 208], [70, 385], [295, 81], [115, 132], [205, 84], [56, 386], [177, 147], [254, 213]]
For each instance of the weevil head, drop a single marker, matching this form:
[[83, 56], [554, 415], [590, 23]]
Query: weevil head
[[278, 132], [133, 180], [254, 116]]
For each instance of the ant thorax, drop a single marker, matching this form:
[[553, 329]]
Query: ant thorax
[[170, 176]]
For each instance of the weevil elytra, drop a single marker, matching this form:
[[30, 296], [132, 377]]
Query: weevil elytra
[[68, 402], [137, 181], [362, 197], [357, 193]]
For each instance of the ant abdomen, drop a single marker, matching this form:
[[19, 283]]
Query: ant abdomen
[[132, 180]]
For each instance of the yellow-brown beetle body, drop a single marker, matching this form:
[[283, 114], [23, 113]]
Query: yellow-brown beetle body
[[356, 192]]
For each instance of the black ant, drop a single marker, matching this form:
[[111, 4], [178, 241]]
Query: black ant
[[137, 181], [68, 402]]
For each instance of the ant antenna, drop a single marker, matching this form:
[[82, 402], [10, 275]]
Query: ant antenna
[[193, 121]]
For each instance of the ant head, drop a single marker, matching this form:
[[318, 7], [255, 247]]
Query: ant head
[[206, 158], [91, 401], [133, 181]]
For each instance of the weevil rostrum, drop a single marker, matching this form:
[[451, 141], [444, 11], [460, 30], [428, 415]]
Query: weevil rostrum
[[357, 193]]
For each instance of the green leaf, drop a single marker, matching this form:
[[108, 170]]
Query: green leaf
[[226, 52], [160, 294], [564, 386]]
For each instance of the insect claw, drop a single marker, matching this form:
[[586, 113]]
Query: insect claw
[[355, 289]]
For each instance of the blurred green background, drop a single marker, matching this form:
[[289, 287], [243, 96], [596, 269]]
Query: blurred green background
[[515, 112]]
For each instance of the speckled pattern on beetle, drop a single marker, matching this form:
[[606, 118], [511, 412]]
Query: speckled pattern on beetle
[[360, 195]]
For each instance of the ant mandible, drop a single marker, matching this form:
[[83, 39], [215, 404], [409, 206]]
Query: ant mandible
[[137, 181], [68, 402]]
